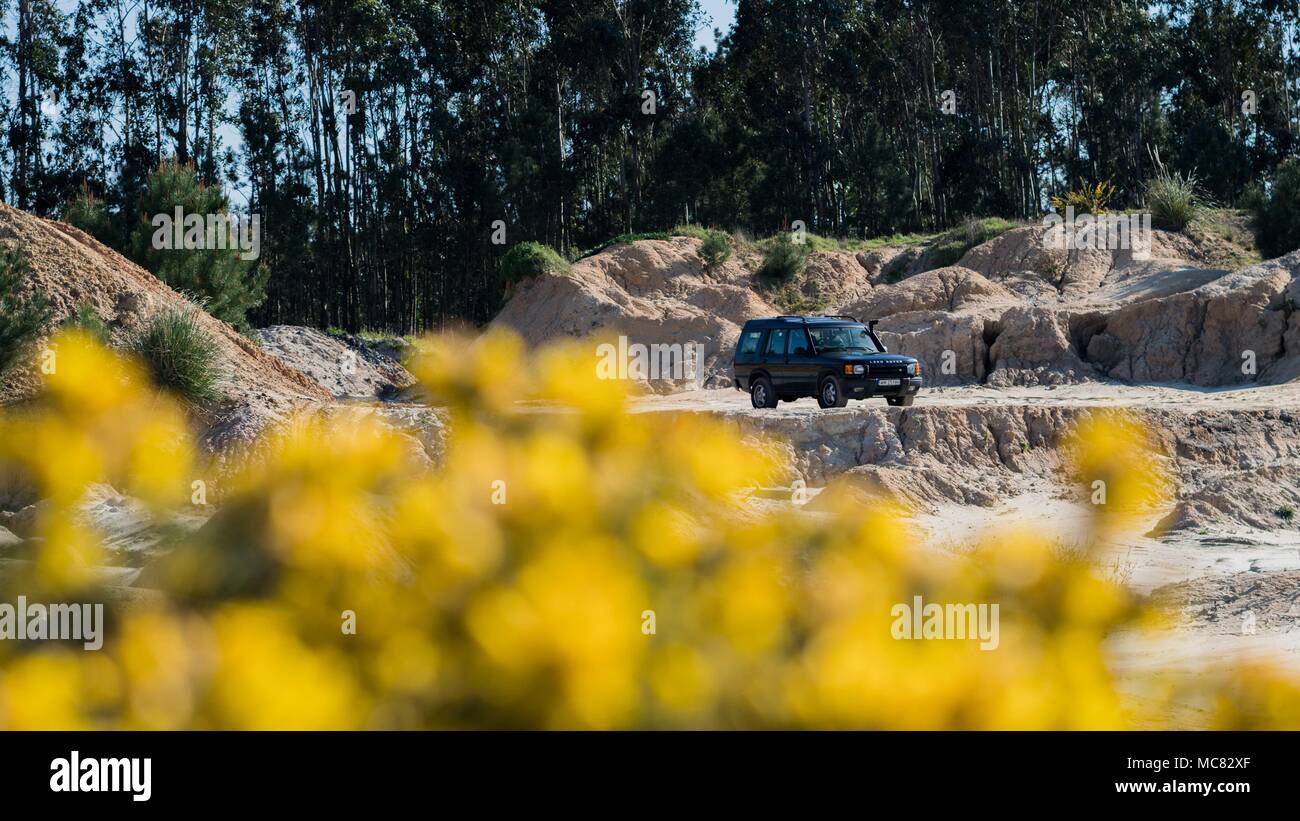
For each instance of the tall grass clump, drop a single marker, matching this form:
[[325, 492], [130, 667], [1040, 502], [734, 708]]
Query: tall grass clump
[[1174, 199], [85, 319], [690, 230], [180, 355]]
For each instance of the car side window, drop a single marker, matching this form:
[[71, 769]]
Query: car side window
[[749, 341], [799, 345], [776, 342]]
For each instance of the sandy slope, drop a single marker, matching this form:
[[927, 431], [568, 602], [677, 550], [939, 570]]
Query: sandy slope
[[70, 269]]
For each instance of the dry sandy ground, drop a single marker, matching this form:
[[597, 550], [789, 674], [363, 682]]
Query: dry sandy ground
[[1236, 592], [1087, 394]]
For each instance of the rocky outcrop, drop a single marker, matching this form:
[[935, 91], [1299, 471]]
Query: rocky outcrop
[[1033, 346], [345, 368], [835, 278], [1237, 604], [888, 263], [424, 429], [954, 349], [1237, 329], [652, 292], [1230, 468], [1022, 309], [972, 443], [1093, 317], [948, 289], [130, 534]]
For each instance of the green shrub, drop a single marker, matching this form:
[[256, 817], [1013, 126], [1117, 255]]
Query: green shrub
[[179, 354], [1173, 199], [1286, 513], [85, 319], [531, 259], [1277, 212], [784, 259], [21, 321], [624, 239], [893, 239], [694, 231], [947, 251], [716, 248], [1226, 237]]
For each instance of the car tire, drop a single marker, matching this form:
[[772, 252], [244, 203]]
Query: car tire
[[762, 394], [830, 393], [900, 401]]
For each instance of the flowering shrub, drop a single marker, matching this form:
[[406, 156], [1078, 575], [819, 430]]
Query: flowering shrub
[[569, 564], [1087, 199]]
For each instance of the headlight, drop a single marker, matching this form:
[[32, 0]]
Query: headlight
[[854, 370], [914, 369]]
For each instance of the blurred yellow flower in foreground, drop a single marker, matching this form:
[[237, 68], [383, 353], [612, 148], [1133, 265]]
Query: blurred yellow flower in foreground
[[567, 564], [1119, 467]]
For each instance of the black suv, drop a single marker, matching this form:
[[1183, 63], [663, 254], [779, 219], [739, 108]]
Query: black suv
[[834, 358]]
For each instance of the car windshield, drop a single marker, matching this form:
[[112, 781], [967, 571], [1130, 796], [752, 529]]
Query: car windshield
[[843, 338]]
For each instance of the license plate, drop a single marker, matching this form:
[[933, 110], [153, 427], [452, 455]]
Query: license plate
[[886, 383]]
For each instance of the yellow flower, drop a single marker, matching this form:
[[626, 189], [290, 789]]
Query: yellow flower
[[42, 691], [1116, 461], [266, 678]]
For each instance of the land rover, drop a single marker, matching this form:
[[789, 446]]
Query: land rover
[[833, 358]]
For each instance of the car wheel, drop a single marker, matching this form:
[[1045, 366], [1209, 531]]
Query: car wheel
[[904, 401], [761, 394], [831, 394]]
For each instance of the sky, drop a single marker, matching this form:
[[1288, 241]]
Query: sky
[[721, 13]]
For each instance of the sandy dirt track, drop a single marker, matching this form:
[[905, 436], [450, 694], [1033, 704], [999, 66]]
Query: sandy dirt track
[[1089, 394]]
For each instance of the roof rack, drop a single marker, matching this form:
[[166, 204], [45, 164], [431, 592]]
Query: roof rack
[[816, 316]]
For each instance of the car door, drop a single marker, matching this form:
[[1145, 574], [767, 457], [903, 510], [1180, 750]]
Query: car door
[[774, 359], [800, 366], [747, 355]]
